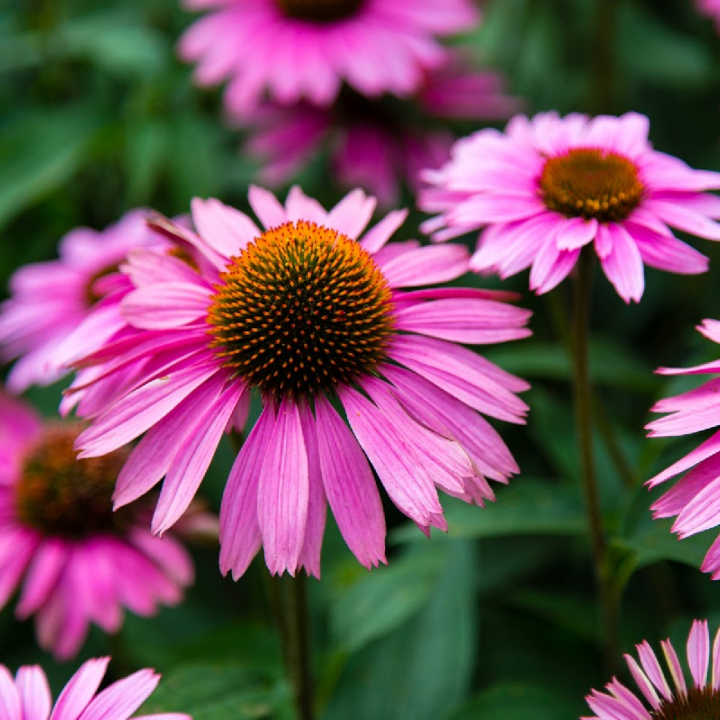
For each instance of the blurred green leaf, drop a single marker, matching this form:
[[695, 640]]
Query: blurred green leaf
[[527, 506], [387, 597], [519, 702], [116, 42], [215, 692], [422, 670], [39, 153], [656, 51], [651, 541]]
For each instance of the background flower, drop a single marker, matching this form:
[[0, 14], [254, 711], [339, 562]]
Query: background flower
[[379, 144], [311, 315], [695, 499], [549, 186], [294, 50], [45, 322], [658, 700], [75, 560], [28, 697], [710, 8]]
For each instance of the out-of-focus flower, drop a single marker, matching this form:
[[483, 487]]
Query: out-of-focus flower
[[296, 50], [76, 561], [47, 320], [657, 699], [550, 186], [695, 499], [711, 8], [377, 144], [27, 696], [320, 322]]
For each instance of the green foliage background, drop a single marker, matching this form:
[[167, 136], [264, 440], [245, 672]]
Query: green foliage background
[[498, 618]]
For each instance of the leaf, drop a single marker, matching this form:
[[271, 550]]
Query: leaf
[[215, 692], [651, 541], [423, 669], [527, 506], [386, 598], [518, 701], [39, 153]]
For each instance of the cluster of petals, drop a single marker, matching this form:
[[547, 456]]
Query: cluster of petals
[[48, 321], [620, 703], [380, 47], [375, 143], [695, 498], [69, 583], [417, 420], [27, 696], [492, 183]]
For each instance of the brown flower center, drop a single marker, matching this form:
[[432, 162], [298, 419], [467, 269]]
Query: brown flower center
[[591, 183], [320, 11], [62, 496], [302, 310], [700, 704]]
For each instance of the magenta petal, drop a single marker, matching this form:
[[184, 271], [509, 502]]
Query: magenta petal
[[80, 690], [9, 697], [426, 266], [122, 698], [240, 537], [317, 503], [165, 305], [225, 229], [188, 468], [352, 214], [140, 410], [283, 492], [42, 576], [623, 266], [34, 691], [398, 466], [465, 320], [375, 238], [267, 207], [698, 652], [350, 487]]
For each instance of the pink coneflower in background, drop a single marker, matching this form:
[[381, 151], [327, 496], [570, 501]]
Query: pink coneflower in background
[[51, 300], [711, 8], [550, 186], [77, 561], [28, 697], [377, 144], [657, 699], [321, 322], [695, 499], [292, 50]]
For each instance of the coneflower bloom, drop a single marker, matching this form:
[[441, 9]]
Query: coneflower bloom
[[550, 186], [46, 320], [378, 144], [292, 50], [76, 561], [27, 696], [320, 322], [657, 700], [695, 499]]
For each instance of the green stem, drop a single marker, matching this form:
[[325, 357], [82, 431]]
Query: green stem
[[603, 57], [298, 645], [583, 418]]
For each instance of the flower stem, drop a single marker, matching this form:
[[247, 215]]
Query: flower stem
[[297, 645], [583, 417]]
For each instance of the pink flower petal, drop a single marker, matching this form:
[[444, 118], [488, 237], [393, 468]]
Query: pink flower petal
[[225, 229], [698, 650], [80, 690], [34, 691], [350, 487], [623, 265], [240, 537], [283, 492], [122, 698], [267, 207], [426, 266], [165, 305]]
